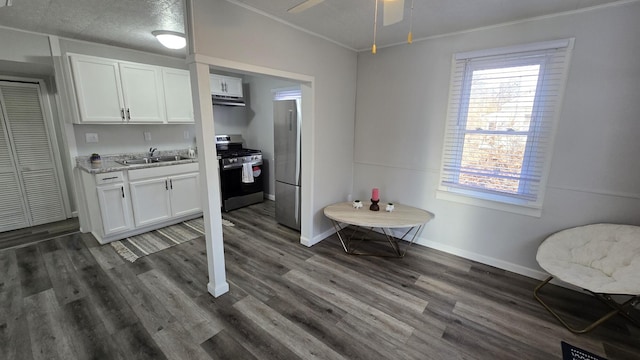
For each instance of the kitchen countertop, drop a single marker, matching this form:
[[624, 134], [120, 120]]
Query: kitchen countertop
[[109, 164]]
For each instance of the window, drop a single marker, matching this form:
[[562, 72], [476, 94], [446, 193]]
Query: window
[[503, 107], [287, 94]]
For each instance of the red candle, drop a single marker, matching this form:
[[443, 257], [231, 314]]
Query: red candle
[[375, 194]]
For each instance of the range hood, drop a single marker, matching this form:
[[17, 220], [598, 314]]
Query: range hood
[[226, 100]]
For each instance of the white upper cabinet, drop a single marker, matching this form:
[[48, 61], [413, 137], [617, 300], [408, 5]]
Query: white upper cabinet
[[112, 91], [226, 85], [177, 95], [143, 93], [98, 90]]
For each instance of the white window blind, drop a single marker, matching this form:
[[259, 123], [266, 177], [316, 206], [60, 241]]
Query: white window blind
[[287, 94], [502, 112]]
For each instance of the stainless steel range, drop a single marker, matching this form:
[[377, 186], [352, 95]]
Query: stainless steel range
[[241, 178]]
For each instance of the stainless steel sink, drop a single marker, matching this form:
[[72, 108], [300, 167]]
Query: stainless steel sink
[[133, 161], [168, 158], [151, 160]]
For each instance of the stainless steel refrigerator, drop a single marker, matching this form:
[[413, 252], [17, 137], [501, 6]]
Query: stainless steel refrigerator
[[287, 127]]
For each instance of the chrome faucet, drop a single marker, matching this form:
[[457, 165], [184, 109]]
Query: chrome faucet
[[151, 151]]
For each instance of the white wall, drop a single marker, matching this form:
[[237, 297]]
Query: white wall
[[124, 138], [401, 109], [230, 120], [227, 31]]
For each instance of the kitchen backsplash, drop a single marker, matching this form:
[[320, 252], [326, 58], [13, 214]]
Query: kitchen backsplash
[[125, 138]]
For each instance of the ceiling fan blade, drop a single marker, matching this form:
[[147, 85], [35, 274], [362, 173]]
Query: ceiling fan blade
[[393, 11], [304, 6]]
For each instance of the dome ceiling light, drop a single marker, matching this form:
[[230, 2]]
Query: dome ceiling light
[[170, 39]]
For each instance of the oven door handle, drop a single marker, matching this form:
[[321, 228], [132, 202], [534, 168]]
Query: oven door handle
[[239, 166]]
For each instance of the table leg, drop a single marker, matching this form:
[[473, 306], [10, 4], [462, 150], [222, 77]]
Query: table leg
[[347, 241]]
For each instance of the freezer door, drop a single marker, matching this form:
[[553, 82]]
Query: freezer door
[[288, 205], [286, 141]]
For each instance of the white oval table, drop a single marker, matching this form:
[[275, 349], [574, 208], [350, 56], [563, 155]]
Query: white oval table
[[344, 214]]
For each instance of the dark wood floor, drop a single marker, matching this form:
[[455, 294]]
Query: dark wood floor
[[25, 236], [70, 298]]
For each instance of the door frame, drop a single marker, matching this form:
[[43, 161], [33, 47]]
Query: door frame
[[47, 114]]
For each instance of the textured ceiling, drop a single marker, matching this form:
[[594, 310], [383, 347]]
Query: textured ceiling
[[124, 23], [128, 23]]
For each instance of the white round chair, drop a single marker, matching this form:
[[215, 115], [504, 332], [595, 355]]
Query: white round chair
[[603, 259]]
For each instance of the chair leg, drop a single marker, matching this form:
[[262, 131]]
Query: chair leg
[[618, 309]]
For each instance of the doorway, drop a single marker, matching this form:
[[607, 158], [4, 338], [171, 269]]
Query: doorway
[[29, 170]]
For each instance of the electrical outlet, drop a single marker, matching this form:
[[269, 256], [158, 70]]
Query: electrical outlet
[[147, 136], [186, 134], [91, 137]]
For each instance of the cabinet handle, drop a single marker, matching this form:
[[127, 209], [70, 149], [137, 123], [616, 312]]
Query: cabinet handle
[[122, 189], [224, 86], [166, 186], [109, 178], [122, 114], [128, 114], [171, 183]]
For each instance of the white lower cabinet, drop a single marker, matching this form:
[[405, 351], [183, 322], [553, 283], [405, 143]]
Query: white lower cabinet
[[158, 195], [127, 203], [150, 199], [115, 208], [184, 200]]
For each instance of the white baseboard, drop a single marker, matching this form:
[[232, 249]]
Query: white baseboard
[[487, 260], [318, 238], [271, 197]]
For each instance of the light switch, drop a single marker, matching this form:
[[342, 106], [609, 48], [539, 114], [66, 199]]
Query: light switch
[[91, 137], [147, 136], [186, 135]]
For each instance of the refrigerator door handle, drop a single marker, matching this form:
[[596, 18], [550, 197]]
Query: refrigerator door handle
[[297, 214]]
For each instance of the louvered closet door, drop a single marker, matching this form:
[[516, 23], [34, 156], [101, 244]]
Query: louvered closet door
[[32, 151], [13, 214]]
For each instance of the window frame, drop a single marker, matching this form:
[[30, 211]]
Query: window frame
[[507, 57]]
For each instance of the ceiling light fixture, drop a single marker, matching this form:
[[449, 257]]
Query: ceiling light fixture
[[170, 39]]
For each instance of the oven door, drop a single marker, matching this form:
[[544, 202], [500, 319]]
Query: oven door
[[232, 185]]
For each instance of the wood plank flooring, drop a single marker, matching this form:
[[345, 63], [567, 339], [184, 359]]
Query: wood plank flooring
[[70, 298], [25, 236]]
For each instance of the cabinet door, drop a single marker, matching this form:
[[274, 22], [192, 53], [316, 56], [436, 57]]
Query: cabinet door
[[115, 208], [143, 93], [98, 90], [150, 200], [225, 85], [177, 95], [233, 86], [185, 194], [216, 83]]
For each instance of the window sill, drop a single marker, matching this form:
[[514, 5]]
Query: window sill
[[468, 199]]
